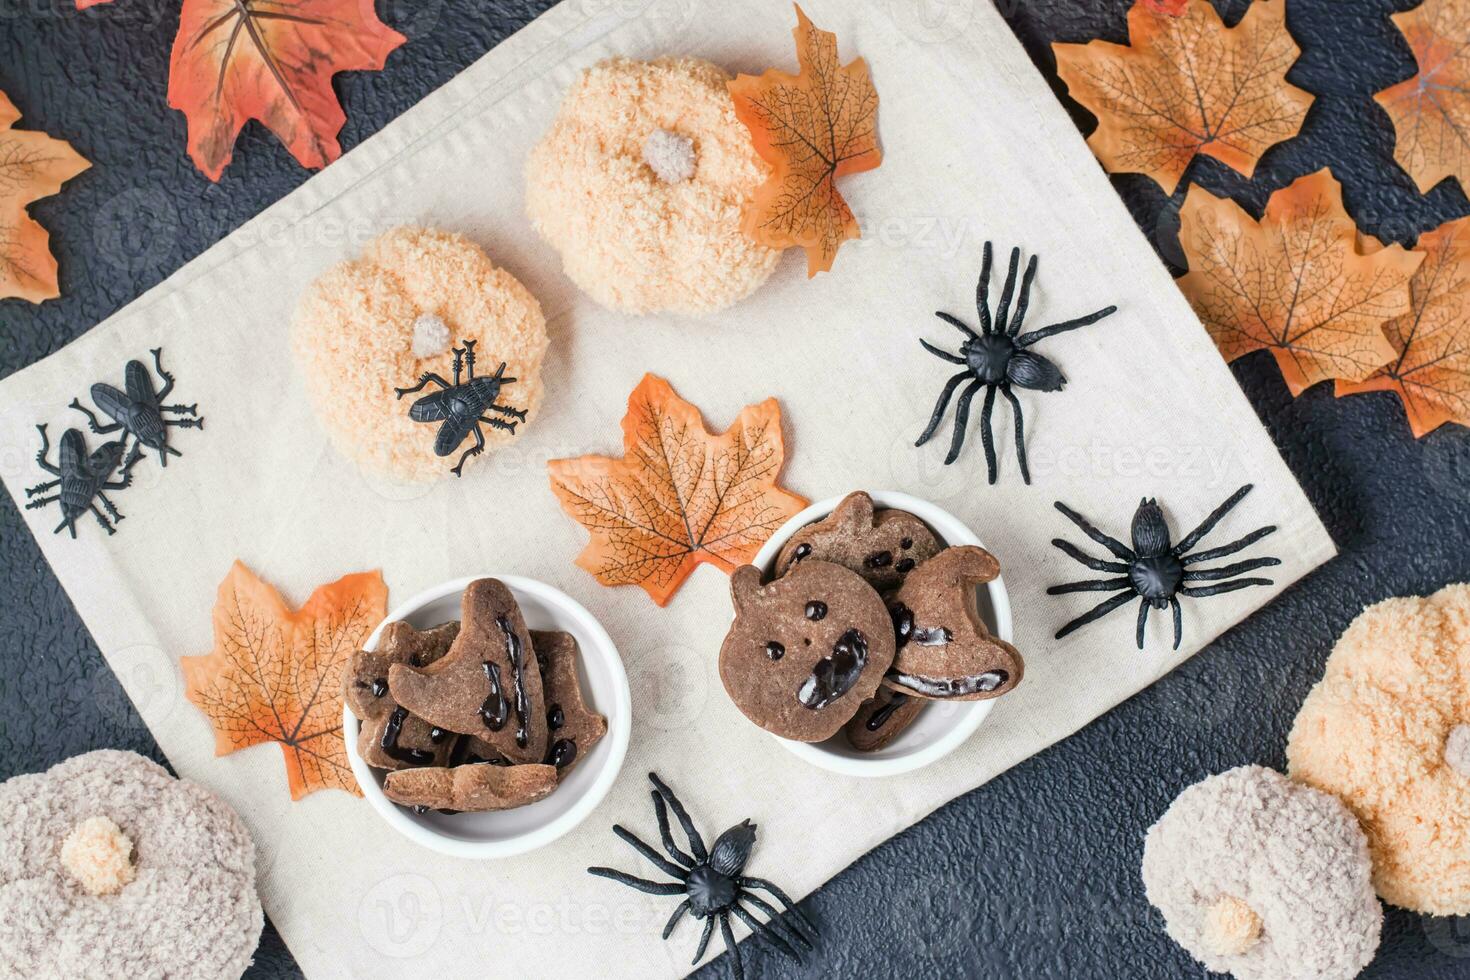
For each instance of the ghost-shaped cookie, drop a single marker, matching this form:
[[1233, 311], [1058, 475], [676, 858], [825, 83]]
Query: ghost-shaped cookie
[[489, 683], [473, 787], [945, 650], [573, 727], [805, 650], [881, 546], [389, 736]]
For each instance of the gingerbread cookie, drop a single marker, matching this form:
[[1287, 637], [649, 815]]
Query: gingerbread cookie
[[945, 650], [488, 684], [470, 788], [805, 650], [391, 737], [574, 728], [881, 546], [881, 719]]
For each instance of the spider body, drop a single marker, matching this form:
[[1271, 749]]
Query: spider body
[[1155, 570], [461, 406], [82, 479], [713, 882], [998, 358], [140, 410]]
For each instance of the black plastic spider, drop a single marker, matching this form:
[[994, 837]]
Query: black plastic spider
[[1153, 571], [711, 882], [998, 358]]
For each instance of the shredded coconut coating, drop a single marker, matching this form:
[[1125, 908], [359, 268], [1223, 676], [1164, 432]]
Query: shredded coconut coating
[[354, 333], [99, 856], [629, 239], [1379, 730], [1295, 859]]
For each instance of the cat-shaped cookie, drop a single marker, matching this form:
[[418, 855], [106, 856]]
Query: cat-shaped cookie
[[805, 650], [881, 546], [945, 651]]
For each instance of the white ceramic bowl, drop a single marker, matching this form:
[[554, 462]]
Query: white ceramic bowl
[[507, 832], [943, 725]]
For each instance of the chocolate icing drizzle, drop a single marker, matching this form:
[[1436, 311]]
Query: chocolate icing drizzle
[[563, 753], [495, 712], [816, 610], [380, 686], [880, 717], [555, 717], [518, 667], [389, 741], [835, 674], [950, 687]]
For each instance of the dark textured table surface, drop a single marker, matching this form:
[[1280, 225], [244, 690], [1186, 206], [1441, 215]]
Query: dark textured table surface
[[1033, 875]]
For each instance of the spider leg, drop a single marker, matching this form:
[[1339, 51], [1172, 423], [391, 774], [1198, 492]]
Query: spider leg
[[1112, 544], [941, 354], [42, 487], [674, 919], [1096, 564], [962, 421], [782, 897], [1091, 585], [1228, 549], [737, 968], [760, 928], [1193, 537], [1027, 339], [1024, 300], [1178, 621], [1020, 431], [662, 812], [777, 919], [696, 843], [953, 321], [662, 863], [982, 292], [1226, 571], [709, 929], [941, 405], [1004, 306], [1199, 592], [1143, 608], [1097, 612], [424, 379], [642, 884]]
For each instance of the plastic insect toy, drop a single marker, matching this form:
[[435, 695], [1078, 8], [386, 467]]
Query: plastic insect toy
[[461, 405], [1155, 572], [998, 358], [712, 882], [140, 411], [82, 480]]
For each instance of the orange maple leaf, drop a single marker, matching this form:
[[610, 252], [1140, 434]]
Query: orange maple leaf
[[1431, 111], [1431, 368], [812, 128], [1186, 85], [680, 495], [271, 60], [32, 166], [1295, 283], [276, 676]]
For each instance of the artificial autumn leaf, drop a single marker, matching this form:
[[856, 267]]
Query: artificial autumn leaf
[[1172, 8], [680, 495], [1431, 111], [32, 166], [1185, 85], [812, 128], [275, 675], [1294, 283], [1431, 369], [271, 60], [84, 4]]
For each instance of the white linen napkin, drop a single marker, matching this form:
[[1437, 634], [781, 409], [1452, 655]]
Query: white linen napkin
[[976, 147]]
